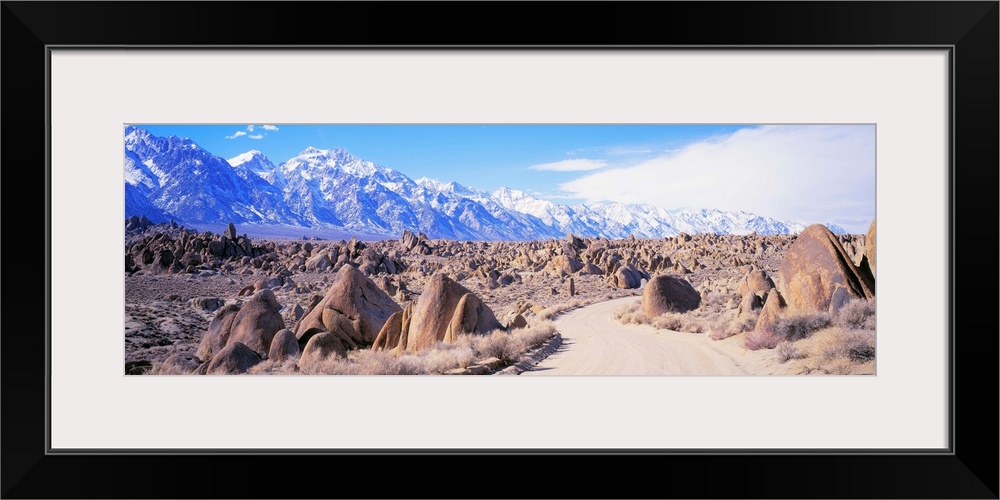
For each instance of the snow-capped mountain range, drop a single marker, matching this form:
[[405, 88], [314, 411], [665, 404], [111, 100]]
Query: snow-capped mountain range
[[173, 178]]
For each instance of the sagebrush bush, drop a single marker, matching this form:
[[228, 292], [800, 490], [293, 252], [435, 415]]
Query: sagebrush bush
[[742, 324], [448, 357], [761, 339], [631, 314], [549, 312], [366, 362], [535, 334], [271, 367], [858, 314], [857, 346], [719, 332], [669, 321], [799, 326], [501, 345], [787, 351], [723, 328]]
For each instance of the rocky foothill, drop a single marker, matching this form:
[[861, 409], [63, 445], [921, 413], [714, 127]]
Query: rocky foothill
[[206, 303]]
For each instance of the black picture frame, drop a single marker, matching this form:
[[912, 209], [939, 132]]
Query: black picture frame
[[969, 469]]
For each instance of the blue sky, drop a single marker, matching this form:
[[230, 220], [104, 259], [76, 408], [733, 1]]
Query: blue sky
[[811, 173]]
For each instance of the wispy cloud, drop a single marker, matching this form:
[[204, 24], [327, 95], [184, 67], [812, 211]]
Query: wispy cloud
[[272, 128], [628, 151], [258, 136], [250, 128], [238, 133], [809, 173], [573, 165]]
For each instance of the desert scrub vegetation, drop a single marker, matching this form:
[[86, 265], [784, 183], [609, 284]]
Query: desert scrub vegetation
[[858, 314], [764, 338], [549, 312], [719, 325], [725, 327], [799, 325], [787, 350], [466, 351], [631, 314], [858, 346]]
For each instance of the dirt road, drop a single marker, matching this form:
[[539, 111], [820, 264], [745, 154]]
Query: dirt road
[[594, 343]]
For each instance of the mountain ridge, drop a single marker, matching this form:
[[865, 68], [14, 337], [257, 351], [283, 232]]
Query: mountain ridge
[[331, 188]]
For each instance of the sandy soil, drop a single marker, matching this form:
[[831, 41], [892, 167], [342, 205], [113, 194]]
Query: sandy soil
[[594, 343]]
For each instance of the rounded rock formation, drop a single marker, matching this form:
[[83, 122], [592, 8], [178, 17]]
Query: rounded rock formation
[[433, 312], [814, 266], [665, 293], [234, 359], [471, 316], [257, 322], [284, 345], [320, 347], [218, 332], [356, 298]]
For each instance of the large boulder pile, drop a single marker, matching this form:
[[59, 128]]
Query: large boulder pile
[[236, 331], [418, 244], [444, 311], [178, 250]]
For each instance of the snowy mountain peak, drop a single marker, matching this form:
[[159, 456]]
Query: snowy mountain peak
[[452, 188], [252, 156], [315, 160]]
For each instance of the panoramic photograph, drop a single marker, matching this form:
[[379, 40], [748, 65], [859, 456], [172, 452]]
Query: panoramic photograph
[[480, 249]]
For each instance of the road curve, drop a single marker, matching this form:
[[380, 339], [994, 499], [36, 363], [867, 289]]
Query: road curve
[[594, 343]]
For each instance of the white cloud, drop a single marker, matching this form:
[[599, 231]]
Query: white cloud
[[821, 173], [249, 128], [574, 165], [272, 128], [238, 133], [627, 151], [258, 136]]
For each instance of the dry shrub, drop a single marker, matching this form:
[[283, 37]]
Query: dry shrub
[[549, 312], [499, 344], [743, 324], [669, 321], [858, 314], [464, 352], [799, 326], [718, 332], [368, 362], [856, 346], [331, 365], [271, 367], [723, 327], [447, 357], [761, 339], [535, 333], [162, 369], [631, 314], [692, 325], [787, 351], [840, 366]]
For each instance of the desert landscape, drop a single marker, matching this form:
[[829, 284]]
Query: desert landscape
[[329, 264], [210, 303]]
